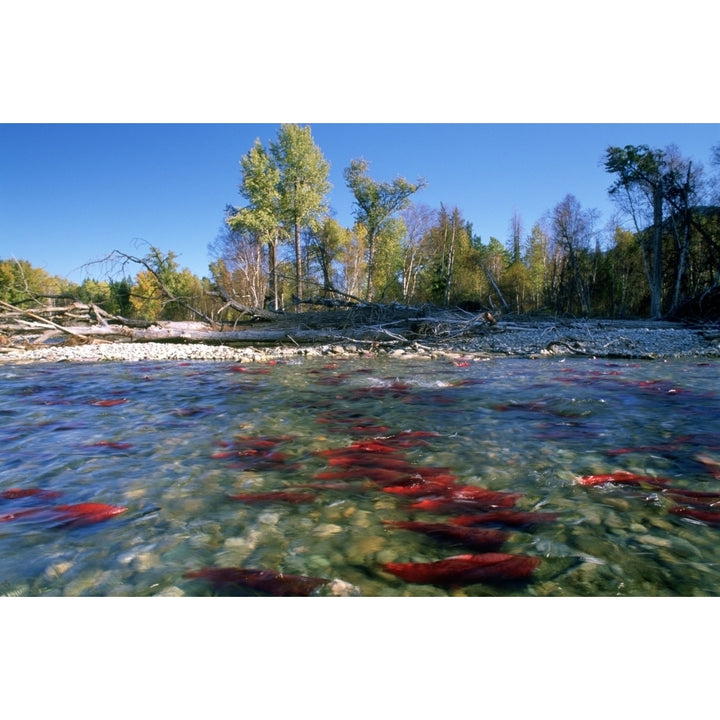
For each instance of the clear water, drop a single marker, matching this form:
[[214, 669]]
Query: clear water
[[186, 436]]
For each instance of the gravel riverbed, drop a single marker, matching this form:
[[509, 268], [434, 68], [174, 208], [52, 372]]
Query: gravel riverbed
[[591, 338]]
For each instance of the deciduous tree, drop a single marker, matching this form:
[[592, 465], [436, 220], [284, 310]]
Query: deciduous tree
[[573, 234], [302, 186], [376, 203], [418, 219], [640, 186], [262, 215]]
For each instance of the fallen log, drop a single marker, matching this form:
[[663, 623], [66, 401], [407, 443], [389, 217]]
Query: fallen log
[[381, 325], [45, 322]]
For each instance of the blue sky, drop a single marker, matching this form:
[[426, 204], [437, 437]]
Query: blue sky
[[72, 193]]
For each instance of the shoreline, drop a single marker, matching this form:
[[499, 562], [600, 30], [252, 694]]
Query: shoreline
[[612, 339]]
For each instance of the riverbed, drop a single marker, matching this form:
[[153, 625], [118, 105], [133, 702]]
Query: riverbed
[[332, 469]]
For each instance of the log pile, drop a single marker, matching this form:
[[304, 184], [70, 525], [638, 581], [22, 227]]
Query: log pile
[[369, 324]]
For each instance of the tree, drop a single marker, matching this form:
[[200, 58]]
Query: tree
[[352, 259], [161, 290], [387, 269], [684, 186], [240, 270], [626, 289], [164, 291], [572, 231], [262, 216], [418, 220], [376, 203], [493, 258], [302, 186], [326, 246], [448, 243], [640, 185], [536, 260], [515, 235], [21, 282]]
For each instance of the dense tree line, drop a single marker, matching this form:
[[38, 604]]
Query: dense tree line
[[282, 250]]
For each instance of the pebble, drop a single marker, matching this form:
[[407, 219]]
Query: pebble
[[269, 518], [57, 569], [368, 546], [340, 588], [386, 555], [124, 590], [172, 591], [139, 561], [654, 540], [88, 583], [362, 519], [247, 543], [19, 591], [542, 338], [326, 530]]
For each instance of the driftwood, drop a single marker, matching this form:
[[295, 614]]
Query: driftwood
[[37, 321], [230, 302], [369, 324]]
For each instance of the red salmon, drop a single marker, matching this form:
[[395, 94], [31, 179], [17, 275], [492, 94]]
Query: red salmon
[[711, 517], [266, 581], [466, 569], [275, 496], [475, 538], [623, 477]]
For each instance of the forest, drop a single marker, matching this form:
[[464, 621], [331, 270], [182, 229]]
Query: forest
[[280, 251]]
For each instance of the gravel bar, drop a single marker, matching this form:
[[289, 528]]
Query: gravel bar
[[590, 338]]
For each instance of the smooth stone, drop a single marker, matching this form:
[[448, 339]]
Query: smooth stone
[[325, 530], [172, 591], [57, 569]]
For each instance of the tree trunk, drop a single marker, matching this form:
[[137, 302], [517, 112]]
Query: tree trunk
[[656, 268], [298, 263], [683, 243], [497, 289], [450, 263], [272, 263], [370, 267]]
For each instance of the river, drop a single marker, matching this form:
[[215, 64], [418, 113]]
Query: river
[[146, 478]]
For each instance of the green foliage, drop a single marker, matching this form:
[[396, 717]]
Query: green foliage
[[515, 286], [302, 182], [535, 259], [303, 186], [259, 186], [622, 278], [113, 296], [633, 165], [21, 282], [286, 189], [325, 250], [448, 262], [162, 291], [376, 203], [387, 269]]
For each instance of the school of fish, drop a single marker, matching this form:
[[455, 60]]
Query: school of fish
[[468, 524]]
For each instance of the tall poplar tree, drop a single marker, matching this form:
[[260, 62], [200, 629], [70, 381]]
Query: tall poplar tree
[[261, 216], [302, 186]]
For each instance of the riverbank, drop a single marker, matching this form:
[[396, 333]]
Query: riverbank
[[591, 338]]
